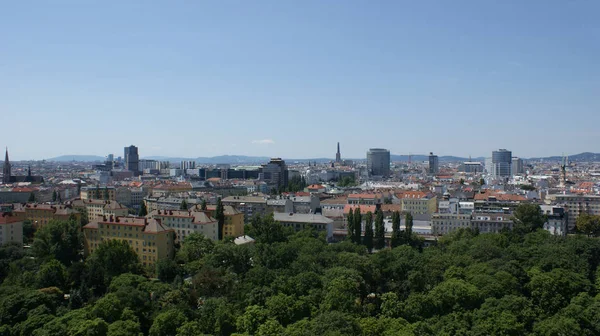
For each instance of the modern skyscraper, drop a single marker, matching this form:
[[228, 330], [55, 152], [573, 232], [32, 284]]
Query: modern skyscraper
[[6, 171], [434, 167], [275, 173], [338, 155], [378, 162], [132, 159], [501, 163], [517, 166]]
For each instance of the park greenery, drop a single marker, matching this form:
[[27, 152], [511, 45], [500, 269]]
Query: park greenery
[[520, 282]]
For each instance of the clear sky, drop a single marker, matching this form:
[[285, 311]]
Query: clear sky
[[291, 78]]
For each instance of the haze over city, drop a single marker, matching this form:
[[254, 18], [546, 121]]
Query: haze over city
[[290, 79]]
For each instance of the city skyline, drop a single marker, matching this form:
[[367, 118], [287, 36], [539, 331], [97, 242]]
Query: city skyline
[[282, 79]]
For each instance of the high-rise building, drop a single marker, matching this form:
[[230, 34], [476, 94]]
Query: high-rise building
[[378, 162], [188, 165], [275, 173], [338, 155], [132, 159], [517, 166], [501, 163], [434, 167]]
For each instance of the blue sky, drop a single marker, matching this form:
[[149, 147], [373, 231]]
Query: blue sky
[[291, 78]]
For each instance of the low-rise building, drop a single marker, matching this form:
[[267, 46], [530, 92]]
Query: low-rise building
[[305, 221], [556, 220], [148, 237], [185, 223], [419, 205]]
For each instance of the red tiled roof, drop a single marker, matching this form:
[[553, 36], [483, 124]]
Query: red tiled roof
[[363, 208]]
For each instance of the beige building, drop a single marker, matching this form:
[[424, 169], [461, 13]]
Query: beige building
[[419, 205], [11, 226], [97, 209], [98, 193], [234, 220], [148, 237], [41, 214], [185, 223]]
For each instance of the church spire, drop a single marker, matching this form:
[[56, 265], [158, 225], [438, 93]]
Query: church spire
[[6, 171]]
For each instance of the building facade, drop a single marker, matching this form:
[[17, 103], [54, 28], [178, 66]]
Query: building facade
[[149, 238], [41, 214], [132, 159], [98, 209], [577, 204], [378, 162], [301, 222], [502, 164], [444, 223], [517, 166], [275, 173], [11, 226], [434, 166], [234, 220], [98, 193], [185, 223]]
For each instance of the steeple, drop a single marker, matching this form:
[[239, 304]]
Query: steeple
[[6, 171], [338, 156]]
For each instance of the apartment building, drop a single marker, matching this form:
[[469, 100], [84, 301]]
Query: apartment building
[[11, 226], [444, 223], [577, 204], [97, 209], [41, 214], [185, 223], [98, 193], [234, 220], [148, 237], [491, 222], [417, 202], [248, 205], [305, 221]]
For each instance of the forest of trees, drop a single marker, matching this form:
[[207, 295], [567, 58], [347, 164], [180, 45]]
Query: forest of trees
[[523, 282]]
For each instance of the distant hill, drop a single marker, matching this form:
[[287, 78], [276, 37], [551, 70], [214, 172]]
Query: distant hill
[[242, 159], [582, 157], [81, 158]]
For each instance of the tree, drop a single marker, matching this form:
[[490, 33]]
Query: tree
[[167, 270], [408, 226], [54, 196], [183, 205], [110, 259], [203, 205], [28, 231], [368, 239], [379, 241], [350, 222], [31, 197], [357, 225], [266, 230], [97, 191], [166, 323], [106, 195], [61, 240], [528, 218], [588, 224], [143, 210], [220, 217], [195, 246], [124, 328], [396, 233], [52, 274], [482, 181]]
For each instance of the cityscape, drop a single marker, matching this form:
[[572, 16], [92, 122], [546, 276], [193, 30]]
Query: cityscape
[[300, 168]]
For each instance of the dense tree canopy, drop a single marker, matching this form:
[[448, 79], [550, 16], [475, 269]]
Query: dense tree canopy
[[528, 283]]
